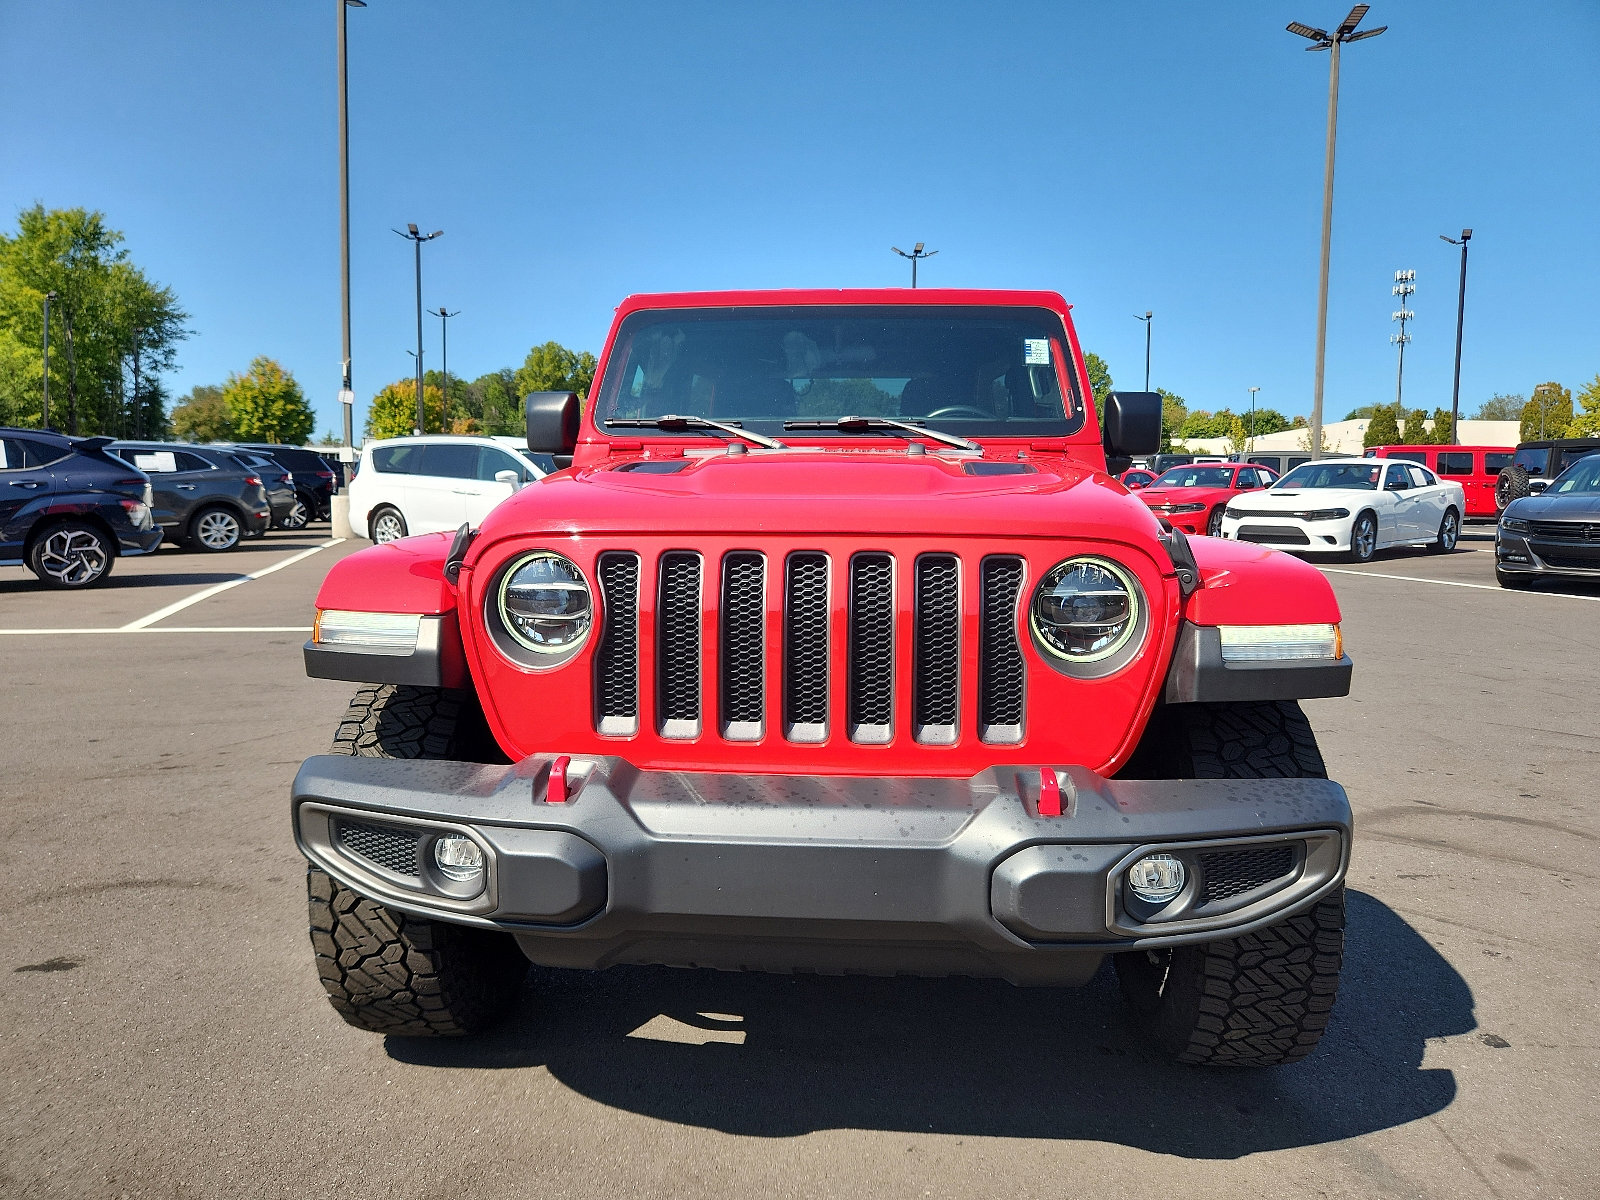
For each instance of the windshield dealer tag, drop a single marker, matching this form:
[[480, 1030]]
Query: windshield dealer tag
[[1036, 351]]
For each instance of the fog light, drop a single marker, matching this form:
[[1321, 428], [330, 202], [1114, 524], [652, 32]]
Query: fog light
[[458, 858], [1156, 878]]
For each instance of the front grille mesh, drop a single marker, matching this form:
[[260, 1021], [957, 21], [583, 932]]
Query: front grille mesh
[[937, 653], [871, 704], [678, 655], [1000, 668], [805, 648], [383, 845], [744, 676], [616, 658], [1225, 874]]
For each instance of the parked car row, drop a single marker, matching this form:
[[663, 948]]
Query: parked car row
[[1556, 533]]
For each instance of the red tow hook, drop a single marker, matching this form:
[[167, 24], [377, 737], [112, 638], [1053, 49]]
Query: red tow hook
[[555, 791], [1049, 793]]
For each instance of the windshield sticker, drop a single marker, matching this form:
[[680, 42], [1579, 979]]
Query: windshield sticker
[[1036, 351]]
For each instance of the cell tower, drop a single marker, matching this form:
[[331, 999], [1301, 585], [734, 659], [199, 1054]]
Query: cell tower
[[1405, 283]]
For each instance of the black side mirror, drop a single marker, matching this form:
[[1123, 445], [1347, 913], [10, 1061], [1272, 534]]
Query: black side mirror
[[1131, 423], [552, 422]]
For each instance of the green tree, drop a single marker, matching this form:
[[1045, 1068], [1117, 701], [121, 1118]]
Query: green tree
[[1383, 429], [1202, 424], [1099, 379], [1547, 413], [1267, 420], [495, 400], [112, 330], [1365, 413], [1417, 433], [393, 411], [1587, 422], [1443, 427], [1173, 414], [1502, 406], [553, 368], [265, 404], [201, 415], [1300, 422], [1238, 436]]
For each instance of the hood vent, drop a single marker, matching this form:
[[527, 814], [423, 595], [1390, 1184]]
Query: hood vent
[[997, 468], [658, 466]]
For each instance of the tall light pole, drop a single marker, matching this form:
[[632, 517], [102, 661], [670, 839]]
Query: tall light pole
[[444, 315], [44, 416], [1146, 319], [1323, 40], [346, 392], [1405, 285], [1253, 392], [1461, 313], [418, 239], [916, 252]]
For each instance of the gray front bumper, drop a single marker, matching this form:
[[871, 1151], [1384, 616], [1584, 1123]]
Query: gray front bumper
[[879, 875]]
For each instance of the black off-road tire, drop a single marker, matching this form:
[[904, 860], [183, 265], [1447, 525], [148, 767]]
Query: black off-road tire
[[1511, 484], [384, 970], [1262, 999]]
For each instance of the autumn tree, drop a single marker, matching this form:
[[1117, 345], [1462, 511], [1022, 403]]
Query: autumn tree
[[265, 404], [1547, 413], [1238, 436], [201, 415], [393, 411]]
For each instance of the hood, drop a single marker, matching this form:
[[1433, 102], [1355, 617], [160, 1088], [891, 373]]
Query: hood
[[1269, 500], [829, 491], [1577, 506]]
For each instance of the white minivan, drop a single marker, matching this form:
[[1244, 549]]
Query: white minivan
[[433, 482]]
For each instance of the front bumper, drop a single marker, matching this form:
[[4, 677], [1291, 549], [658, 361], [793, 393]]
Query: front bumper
[[1533, 555], [1290, 533], [928, 876]]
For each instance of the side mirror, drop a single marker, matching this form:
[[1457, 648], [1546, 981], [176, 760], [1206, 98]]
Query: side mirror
[[509, 478], [1131, 423], [552, 422]]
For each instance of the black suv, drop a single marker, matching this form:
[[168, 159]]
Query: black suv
[[1537, 463], [314, 480], [282, 499], [68, 508], [205, 498]]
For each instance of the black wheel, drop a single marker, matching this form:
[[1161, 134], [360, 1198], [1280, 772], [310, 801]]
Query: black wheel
[[1363, 538], [215, 528], [299, 515], [383, 970], [1515, 583], [1511, 484], [1449, 533], [1262, 999], [1214, 523], [72, 554], [386, 524]]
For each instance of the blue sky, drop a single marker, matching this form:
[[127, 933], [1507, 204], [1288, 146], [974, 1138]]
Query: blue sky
[[1163, 156]]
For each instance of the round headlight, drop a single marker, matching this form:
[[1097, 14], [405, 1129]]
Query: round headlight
[[1085, 610], [544, 603]]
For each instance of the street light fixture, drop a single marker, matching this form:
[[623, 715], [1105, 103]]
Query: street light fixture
[[418, 239], [44, 416], [444, 315], [1253, 392], [1146, 319], [916, 252], [346, 393], [1461, 312], [1323, 40]]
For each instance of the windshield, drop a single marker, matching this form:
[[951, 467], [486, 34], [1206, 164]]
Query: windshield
[[967, 370], [1582, 476], [1196, 477], [1363, 475]]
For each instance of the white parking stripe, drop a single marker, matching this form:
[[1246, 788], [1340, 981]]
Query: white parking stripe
[[165, 629], [1487, 587], [177, 606]]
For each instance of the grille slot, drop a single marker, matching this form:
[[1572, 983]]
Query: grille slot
[[1273, 535], [744, 674], [936, 664], [395, 850], [805, 648], [871, 686], [678, 645], [616, 658], [1001, 675], [1225, 874]]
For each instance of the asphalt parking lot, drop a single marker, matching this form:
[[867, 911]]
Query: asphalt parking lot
[[165, 1034]]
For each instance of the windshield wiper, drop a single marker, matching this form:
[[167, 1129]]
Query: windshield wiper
[[680, 421], [843, 423]]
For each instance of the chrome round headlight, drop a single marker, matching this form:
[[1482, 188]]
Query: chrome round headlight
[[544, 603], [1086, 612]]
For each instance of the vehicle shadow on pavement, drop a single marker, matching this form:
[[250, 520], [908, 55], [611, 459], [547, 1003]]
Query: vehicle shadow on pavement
[[120, 582], [778, 1056]]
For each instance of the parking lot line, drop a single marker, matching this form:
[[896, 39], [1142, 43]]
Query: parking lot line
[[178, 606], [1487, 587]]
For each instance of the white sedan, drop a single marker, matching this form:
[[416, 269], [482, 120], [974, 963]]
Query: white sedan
[[1350, 506]]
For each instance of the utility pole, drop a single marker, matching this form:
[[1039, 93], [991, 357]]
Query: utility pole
[[418, 239], [1323, 40], [1253, 392], [347, 395], [1461, 313], [1146, 319], [916, 252], [444, 315], [1405, 284], [137, 414], [44, 416]]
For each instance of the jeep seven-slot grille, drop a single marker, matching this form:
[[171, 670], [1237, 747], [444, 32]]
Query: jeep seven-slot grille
[[773, 646]]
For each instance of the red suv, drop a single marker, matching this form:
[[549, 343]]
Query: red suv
[[1194, 497], [838, 648]]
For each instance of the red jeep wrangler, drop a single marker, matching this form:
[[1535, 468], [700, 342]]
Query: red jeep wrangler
[[835, 649]]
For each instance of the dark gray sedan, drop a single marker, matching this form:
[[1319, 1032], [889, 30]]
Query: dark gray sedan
[[1555, 534]]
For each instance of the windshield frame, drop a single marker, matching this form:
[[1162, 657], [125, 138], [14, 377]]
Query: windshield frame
[[610, 403]]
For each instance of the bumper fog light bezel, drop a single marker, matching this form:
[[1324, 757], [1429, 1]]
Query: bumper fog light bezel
[[316, 826]]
